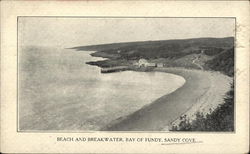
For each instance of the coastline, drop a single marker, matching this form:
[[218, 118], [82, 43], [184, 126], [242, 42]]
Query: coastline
[[202, 91]]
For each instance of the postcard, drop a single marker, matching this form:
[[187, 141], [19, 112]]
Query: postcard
[[124, 76]]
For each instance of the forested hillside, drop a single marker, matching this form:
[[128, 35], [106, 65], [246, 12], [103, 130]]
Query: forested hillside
[[223, 62]]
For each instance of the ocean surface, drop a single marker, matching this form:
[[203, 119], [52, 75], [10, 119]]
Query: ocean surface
[[58, 91]]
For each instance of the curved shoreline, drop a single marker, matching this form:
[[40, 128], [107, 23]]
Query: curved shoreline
[[201, 91]]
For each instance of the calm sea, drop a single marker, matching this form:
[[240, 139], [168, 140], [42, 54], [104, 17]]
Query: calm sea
[[58, 91]]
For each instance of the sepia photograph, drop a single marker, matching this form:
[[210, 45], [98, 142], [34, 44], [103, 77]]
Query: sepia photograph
[[82, 74], [124, 76]]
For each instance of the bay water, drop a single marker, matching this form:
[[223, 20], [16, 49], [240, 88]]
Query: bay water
[[59, 91]]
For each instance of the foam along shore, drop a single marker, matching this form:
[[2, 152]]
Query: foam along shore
[[202, 90]]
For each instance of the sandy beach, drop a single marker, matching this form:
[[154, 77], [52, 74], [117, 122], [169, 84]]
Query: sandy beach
[[202, 91]]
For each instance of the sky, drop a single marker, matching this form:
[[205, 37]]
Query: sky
[[71, 32]]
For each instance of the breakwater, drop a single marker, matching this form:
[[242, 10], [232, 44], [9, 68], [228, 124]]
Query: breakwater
[[114, 69]]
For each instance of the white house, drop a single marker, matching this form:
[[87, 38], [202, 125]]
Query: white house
[[144, 63]]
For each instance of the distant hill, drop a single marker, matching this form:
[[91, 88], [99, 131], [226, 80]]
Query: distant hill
[[215, 42]]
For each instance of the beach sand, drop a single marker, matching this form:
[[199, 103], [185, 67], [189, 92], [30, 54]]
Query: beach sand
[[202, 90]]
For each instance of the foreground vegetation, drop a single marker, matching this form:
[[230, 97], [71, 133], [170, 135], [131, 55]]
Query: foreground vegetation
[[221, 119]]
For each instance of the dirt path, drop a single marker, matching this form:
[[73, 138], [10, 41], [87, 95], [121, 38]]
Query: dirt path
[[197, 64], [201, 90]]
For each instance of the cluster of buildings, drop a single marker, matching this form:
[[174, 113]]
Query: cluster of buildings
[[144, 63]]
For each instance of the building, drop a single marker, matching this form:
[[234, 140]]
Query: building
[[144, 63], [151, 65], [160, 65]]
